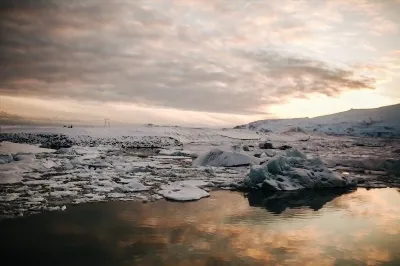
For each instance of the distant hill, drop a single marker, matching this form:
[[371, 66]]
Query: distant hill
[[13, 119], [10, 119], [378, 122]]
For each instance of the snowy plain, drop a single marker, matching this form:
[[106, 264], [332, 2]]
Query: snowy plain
[[48, 168]]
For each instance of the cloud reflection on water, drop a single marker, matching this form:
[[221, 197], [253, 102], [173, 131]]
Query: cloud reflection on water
[[360, 228]]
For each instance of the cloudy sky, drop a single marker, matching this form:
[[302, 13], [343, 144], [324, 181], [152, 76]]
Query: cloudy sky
[[210, 62]]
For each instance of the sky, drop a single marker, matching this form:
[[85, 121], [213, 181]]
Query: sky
[[197, 62]]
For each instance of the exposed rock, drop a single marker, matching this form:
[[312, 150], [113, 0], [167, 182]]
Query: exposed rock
[[295, 130], [285, 147], [265, 145]]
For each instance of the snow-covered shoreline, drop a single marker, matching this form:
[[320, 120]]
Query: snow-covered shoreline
[[147, 167]]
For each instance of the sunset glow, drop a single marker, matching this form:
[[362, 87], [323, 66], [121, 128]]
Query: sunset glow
[[195, 62]]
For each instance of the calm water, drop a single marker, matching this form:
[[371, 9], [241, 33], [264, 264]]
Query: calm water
[[358, 228]]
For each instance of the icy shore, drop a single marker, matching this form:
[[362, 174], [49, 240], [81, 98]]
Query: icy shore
[[178, 164]]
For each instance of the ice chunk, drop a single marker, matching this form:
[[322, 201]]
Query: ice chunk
[[391, 166], [116, 195], [295, 153], [135, 186], [66, 151], [193, 182], [55, 208], [182, 153], [9, 197], [30, 157], [39, 182], [68, 165], [6, 158], [183, 192], [217, 157], [49, 164], [63, 193], [294, 171], [37, 199], [101, 188]]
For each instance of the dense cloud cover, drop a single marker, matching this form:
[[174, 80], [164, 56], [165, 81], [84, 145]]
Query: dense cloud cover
[[220, 56]]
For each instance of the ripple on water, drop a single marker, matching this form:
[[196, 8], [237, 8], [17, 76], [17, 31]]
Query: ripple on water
[[324, 227]]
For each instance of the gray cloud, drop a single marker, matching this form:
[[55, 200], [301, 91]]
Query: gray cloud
[[187, 55]]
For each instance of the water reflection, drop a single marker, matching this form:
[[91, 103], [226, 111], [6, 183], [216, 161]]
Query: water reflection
[[277, 202], [359, 228]]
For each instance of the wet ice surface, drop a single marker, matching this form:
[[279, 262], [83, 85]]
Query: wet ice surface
[[335, 227], [101, 174], [107, 166]]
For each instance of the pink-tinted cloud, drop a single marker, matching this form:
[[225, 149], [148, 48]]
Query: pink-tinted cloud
[[210, 56]]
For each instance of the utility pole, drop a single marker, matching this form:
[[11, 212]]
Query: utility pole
[[107, 122]]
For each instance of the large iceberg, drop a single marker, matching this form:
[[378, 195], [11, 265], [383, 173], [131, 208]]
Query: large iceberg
[[220, 158], [292, 171]]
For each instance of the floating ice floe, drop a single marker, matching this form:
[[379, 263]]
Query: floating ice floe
[[294, 171], [182, 192]]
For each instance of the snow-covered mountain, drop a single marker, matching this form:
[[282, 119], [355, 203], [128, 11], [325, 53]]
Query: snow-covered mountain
[[378, 122]]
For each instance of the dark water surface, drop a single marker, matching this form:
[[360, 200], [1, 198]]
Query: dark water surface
[[303, 228]]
